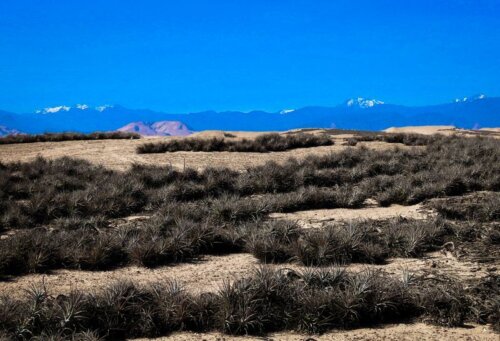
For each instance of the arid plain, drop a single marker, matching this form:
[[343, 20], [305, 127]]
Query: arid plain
[[208, 273]]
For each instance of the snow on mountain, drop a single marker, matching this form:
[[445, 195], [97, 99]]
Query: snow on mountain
[[53, 109], [361, 102], [357, 113], [470, 99], [4, 131], [101, 108], [160, 128]]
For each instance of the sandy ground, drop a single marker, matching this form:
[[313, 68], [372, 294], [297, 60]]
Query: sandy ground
[[206, 274], [234, 135], [120, 154], [496, 130], [425, 130], [446, 130], [394, 332], [316, 218], [210, 272]]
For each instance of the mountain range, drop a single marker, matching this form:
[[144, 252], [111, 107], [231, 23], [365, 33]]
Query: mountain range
[[357, 113]]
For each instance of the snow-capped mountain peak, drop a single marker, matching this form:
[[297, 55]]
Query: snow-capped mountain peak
[[361, 102], [52, 110], [101, 108], [4, 131], [471, 98], [60, 108]]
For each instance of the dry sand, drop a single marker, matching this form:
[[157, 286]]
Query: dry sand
[[121, 154], [232, 135], [206, 274], [445, 130], [496, 130], [425, 130], [394, 332], [316, 218], [210, 272]]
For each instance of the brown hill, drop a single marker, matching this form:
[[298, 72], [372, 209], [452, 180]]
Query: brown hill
[[160, 128]]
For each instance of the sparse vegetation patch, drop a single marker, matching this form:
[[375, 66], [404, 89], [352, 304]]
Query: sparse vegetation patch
[[198, 212], [63, 213], [261, 144], [69, 136]]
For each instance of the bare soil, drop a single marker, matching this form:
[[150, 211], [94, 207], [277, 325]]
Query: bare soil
[[425, 130], [396, 332], [209, 273], [316, 218], [121, 154]]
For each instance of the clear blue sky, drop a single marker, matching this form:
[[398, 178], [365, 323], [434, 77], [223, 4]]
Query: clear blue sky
[[186, 55]]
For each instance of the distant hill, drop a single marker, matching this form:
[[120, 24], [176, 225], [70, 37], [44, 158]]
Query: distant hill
[[4, 131], [161, 128], [357, 113]]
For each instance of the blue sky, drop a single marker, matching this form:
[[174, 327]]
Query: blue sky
[[183, 56]]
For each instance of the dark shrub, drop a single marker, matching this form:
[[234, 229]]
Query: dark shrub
[[445, 305], [272, 242], [261, 144], [481, 207], [68, 136], [313, 301]]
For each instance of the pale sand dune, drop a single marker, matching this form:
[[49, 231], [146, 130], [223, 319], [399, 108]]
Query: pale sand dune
[[444, 130], [496, 130], [238, 135], [425, 130], [228, 134]]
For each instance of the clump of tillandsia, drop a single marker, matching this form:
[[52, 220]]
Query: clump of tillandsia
[[261, 144], [68, 136], [312, 301]]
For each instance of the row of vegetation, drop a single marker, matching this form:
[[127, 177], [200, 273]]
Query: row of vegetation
[[166, 240], [69, 203], [39, 192], [406, 139], [261, 144], [68, 136], [312, 301], [479, 207], [185, 231]]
